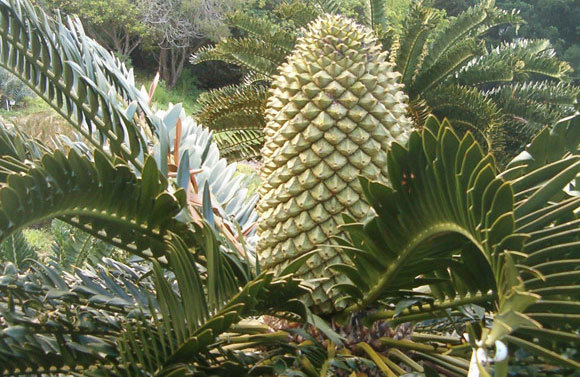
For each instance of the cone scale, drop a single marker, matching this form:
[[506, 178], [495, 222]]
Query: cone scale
[[333, 112]]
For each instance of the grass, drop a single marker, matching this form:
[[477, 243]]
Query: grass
[[41, 240], [186, 91]]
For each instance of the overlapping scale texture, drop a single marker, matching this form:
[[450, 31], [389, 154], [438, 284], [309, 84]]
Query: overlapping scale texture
[[334, 109]]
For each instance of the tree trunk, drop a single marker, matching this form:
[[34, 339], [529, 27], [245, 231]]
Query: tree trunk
[[171, 64]]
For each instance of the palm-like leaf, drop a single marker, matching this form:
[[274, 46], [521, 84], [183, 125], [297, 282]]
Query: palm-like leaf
[[233, 108], [168, 330], [16, 250], [53, 60], [474, 236], [411, 44], [39, 336], [189, 323], [107, 201]]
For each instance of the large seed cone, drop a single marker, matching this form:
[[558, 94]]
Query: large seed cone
[[333, 112]]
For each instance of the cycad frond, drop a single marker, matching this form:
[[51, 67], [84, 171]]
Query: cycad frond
[[73, 248], [526, 58], [327, 6], [240, 145], [533, 105], [256, 55], [107, 201], [459, 28], [253, 78], [523, 229], [467, 107], [66, 323], [299, 13], [186, 331], [238, 107], [411, 45], [444, 67], [50, 57], [376, 13], [264, 30], [16, 250]]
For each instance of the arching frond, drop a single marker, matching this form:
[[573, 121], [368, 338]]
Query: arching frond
[[253, 54], [298, 13], [411, 44], [16, 250], [376, 13], [458, 29], [239, 107], [50, 57], [533, 105], [240, 145], [67, 323], [468, 108], [263, 30], [449, 195], [450, 62], [327, 6], [107, 201]]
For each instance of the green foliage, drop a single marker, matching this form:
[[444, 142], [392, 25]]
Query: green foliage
[[467, 230], [12, 90], [117, 25], [553, 20], [454, 244], [52, 65], [16, 250], [73, 248], [447, 66], [131, 213]]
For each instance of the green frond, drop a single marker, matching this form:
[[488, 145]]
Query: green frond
[[263, 30], [466, 108], [467, 231], [376, 13], [548, 146], [238, 107], [73, 248], [527, 58], [253, 78], [240, 145], [66, 323], [253, 54], [50, 57], [532, 105], [298, 13], [444, 67], [327, 6], [411, 44], [17, 145], [398, 250], [458, 29], [210, 53], [189, 324], [499, 17], [108, 202], [16, 250]]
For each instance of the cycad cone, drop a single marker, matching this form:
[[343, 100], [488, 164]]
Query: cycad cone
[[332, 114]]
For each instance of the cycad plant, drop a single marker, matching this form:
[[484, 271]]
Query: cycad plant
[[502, 93], [460, 267]]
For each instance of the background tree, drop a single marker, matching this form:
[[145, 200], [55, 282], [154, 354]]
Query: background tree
[[180, 26], [116, 24]]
